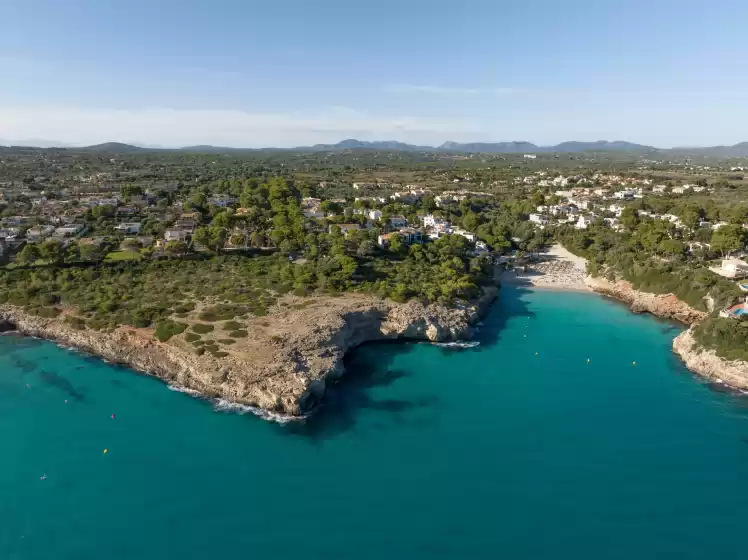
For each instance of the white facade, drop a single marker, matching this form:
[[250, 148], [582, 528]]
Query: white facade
[[538, 219], [130, 227]]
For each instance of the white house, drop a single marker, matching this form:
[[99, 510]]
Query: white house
[[659, 189], [731, 268], [626, 194], [617, 209], [466, 234], [69, 231], [538, 219], [431, 221], [128, 227], [530, 156], [176, 234], [374, 215], [582, 223]]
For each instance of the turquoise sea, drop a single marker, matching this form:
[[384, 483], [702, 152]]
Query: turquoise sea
[[518, 449]]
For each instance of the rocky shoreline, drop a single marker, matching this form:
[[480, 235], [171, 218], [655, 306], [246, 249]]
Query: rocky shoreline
[[699, 360], [284, 365]]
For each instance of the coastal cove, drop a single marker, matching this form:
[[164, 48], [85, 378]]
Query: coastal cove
[[422, 452]]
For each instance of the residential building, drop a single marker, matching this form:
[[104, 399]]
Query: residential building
[[69, 231], [582, 223], [530, 156], [39, 232], [374, 214], [538, 219], [129, 228], [731, 268], [345, 229], [222, 200], [626, 194], [176, 235], [466, 234], [398, 222], [431, 221]]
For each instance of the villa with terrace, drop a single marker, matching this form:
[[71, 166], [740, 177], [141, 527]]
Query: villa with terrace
[[735, 311]]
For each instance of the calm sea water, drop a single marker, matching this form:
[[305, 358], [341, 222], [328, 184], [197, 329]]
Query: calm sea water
[[518, 449]]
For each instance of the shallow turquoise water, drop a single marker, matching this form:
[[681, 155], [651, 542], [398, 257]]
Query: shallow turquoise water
[[494, 452]]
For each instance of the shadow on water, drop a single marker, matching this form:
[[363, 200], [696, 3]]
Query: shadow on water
[[511, 303], [54, 380], [367, 368]]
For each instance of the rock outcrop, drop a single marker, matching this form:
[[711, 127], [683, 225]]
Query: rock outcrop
[[707, 364], [699, 360], [284, 363], [662, 305]]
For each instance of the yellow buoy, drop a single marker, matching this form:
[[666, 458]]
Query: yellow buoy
[[106, 451], [633, 363], [536, 353]]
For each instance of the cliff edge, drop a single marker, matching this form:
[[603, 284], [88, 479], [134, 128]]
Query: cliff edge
[[707, 364], [662, 305], [284, 363]]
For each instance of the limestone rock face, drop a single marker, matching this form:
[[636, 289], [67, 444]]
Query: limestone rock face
[[283, 364], [662, 305], [699, 360], [708, 364]]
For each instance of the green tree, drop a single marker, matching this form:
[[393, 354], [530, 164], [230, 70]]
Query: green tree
[[29, 254], [175, 248], [212, 237], [728, 239]]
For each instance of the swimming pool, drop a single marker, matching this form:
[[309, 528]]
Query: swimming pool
[[740, 311]]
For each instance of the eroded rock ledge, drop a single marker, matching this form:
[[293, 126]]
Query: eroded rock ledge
[[284, 364], [699, 360], [662, 305]]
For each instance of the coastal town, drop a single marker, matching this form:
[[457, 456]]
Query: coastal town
[[202, 238]]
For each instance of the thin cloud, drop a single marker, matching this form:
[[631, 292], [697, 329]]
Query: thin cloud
[[448, 91]]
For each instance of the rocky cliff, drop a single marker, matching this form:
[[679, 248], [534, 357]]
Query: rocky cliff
[[697, 359], [285, 362], [662, 305], [708, 364]]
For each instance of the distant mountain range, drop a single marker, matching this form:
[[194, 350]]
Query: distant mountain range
[[738, 150]]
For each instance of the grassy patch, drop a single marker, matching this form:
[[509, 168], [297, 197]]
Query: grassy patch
[[219, 354], [232, 326], [202, 328], [226, 341], [238, 334], [191, 337]]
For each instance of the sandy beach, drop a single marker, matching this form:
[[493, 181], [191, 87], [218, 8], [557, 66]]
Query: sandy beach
[[555, 269]]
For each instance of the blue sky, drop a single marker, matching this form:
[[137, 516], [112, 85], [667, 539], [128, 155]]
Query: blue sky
[[292, 72]]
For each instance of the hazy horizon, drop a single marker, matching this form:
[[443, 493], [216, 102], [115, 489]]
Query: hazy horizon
[[295, 73]]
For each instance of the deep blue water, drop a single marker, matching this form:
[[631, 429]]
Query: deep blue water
[[518, 449]]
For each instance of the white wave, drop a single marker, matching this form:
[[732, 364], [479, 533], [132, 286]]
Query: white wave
[[223, 405], [470, 344], [186, 390]]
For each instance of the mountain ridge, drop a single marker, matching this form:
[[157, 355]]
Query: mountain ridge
[[514, 147]]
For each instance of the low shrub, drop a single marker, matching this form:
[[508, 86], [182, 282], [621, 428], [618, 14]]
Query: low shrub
[[166, 329], [202, 328]]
